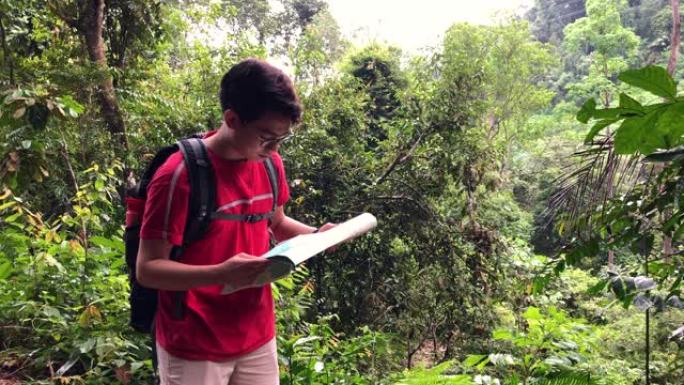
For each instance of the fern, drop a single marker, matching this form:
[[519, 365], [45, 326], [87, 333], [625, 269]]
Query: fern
[[568, 378], [434, 376]]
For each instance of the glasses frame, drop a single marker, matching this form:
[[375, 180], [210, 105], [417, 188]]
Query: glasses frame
[[268, 142]]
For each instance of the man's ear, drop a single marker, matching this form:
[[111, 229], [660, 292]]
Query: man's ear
[[231, 119]]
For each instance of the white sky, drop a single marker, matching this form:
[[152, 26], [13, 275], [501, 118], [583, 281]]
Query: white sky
[[412, 25]]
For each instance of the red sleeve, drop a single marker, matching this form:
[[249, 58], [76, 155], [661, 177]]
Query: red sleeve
[[284, 190], [166, 207]]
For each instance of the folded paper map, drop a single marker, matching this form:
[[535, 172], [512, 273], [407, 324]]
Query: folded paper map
[[287, 255]]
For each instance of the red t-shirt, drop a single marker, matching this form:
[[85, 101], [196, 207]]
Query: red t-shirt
[[216, 327]]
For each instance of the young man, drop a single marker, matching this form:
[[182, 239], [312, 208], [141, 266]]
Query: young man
[[223, 339]]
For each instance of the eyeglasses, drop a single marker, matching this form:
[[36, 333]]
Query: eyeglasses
[[270, 142]]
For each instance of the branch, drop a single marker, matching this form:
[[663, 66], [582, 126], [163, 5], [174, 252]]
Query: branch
[[418, 204], [70, 171], [412, 352], [401, 158], [69, 20]]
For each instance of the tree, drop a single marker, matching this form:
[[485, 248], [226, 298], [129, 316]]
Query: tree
[[87, 17], [292, 22], [549, 18], [609, 48], [378, 72], [132, 29], [252, 15], [676, 37], [514, 67], [651, 20], [319, 47]]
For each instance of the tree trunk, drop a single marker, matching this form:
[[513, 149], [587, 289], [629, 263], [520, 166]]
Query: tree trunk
[[610, 193], [91, 26], [676, 37], [671, 66], [7, 54]]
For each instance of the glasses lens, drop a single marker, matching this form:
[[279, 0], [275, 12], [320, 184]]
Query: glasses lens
[[274, 141]]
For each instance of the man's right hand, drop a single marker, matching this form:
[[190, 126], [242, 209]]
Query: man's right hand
[[156, 270], [241, 270]]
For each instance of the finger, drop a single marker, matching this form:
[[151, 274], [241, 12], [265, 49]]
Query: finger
[[327, 227]]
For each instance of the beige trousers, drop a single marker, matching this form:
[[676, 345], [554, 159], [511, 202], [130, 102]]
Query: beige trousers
[[259, 367]]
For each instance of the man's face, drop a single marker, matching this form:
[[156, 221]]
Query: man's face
[[257, 139]]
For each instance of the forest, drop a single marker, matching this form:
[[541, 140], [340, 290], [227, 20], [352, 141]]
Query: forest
[[527, 176]]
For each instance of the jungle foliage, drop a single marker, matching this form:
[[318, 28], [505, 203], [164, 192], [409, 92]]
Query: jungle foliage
[[508, 229]]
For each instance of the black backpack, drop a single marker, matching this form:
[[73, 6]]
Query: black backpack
[[201, 211]]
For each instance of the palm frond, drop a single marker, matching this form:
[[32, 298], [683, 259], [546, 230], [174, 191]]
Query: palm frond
[[595, 176]]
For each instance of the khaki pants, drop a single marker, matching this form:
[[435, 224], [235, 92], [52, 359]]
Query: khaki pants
[[259, 367]]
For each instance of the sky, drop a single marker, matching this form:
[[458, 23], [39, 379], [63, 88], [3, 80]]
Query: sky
[[412, 25]]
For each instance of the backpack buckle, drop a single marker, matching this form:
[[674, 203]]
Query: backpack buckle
[[252, 218]]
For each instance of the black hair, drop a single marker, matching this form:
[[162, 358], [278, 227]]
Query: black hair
[[254, 87]]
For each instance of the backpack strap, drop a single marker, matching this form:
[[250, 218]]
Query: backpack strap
[[273, 179], [202, 202], [253, 218], [202, 188], [140, 189]]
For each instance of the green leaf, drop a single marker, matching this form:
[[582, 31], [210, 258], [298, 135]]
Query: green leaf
[[653, 79], [671, 123], [101, 241], [615, 113], [5, 270], [676, 284], [627, 300], [532, 313], [600, 125], [626, 102], [51, 312], [502, 334], [678, 233], [87, 346], [71, 104], [305, 340], [586, 249], [587, 111], [12, 218], [539, 282], [475, 359], [7, 204], [637, 134], [599, 287], [557, 361]]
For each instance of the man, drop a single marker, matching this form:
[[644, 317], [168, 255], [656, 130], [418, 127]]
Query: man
[[223, 339]]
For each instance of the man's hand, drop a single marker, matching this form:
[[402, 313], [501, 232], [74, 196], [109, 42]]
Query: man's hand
[[327, 227], [241, 270]]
